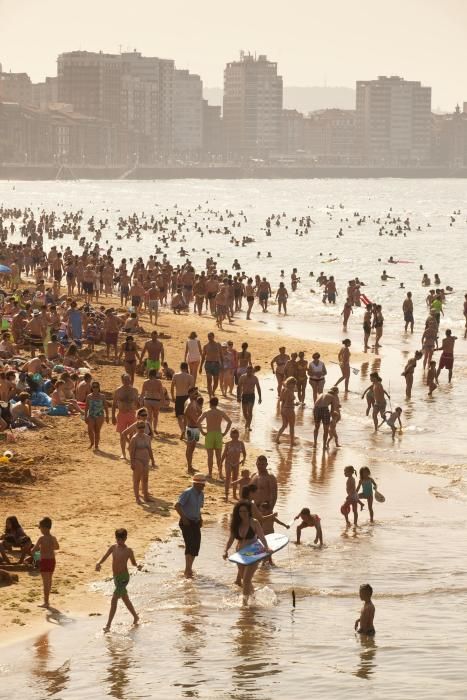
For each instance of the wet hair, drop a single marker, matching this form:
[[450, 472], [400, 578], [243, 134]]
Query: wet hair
[[46, 522], [121, 533], [305, 511], [366, 587], [213, 402], [236, 518]]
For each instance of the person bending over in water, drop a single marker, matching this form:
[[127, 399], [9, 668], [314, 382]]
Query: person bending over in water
[[121, 554], [364, 624], [431, 378], [246, 530], [309, 520], [393, 417]]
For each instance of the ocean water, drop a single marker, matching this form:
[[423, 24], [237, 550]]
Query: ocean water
[[195, 640]]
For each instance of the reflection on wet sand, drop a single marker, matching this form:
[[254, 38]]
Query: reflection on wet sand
[[253, 645], [51, 681], [120, 660], [191, 642]]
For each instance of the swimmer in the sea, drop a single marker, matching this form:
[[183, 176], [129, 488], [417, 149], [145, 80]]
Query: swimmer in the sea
[[365, 623]]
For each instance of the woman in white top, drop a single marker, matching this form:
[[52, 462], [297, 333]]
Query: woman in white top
[[193, 353]]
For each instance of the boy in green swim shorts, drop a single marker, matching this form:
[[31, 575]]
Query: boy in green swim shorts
[[121, 554], [213, 418]]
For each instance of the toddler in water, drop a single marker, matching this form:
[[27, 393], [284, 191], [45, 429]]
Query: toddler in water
[[367, 484], [244, 480], [391, 420], [431, 378], [234, 456], [352, 499], [364, 624], [120, 556], [309, 520]]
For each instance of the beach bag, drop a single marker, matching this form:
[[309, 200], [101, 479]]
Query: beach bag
[[379, 497]]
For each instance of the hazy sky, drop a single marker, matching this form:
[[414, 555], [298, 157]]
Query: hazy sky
[[332, 41]]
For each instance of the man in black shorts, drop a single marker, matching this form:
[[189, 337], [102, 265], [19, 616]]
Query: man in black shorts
[[181, 384], [189, 507], [247, 385], [325, 404]]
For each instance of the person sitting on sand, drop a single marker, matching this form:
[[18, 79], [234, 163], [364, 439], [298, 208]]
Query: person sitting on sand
[[121, 555], [14, 536], [21, 413]]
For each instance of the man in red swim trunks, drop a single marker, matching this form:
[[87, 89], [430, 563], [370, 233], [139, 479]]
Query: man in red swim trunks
[[446, 361], [126, 401]]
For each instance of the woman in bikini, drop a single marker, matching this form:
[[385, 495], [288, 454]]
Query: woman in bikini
[[152, 393], [131, 355], [245, 530], [287, 405], [140, 455], [95, 410], [193, 352], [234, 456]]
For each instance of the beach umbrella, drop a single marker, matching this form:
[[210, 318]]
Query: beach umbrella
[[4, 268]]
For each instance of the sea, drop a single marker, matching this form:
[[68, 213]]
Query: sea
[[195, 639]]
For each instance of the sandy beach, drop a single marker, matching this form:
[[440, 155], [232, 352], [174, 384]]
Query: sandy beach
[[89, 495]]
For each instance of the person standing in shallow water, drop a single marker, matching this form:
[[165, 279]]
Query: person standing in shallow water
[[189, 507], [365, 623], [344, 363]]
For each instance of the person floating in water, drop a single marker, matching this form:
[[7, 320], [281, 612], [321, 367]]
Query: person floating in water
[[364, 624]]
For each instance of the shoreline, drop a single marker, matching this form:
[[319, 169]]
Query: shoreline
[[82, 502]]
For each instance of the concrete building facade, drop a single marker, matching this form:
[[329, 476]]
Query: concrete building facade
[[393, 121], [252, 106], [188, 114]]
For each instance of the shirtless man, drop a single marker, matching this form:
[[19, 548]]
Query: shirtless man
[[211, 359], [302, 371], [111, 328], [181, 384], [264, 292], [367, 324], [199, 292], [266, 484], [446, 361], [36, 329], [155, 352], [280, 362], [344, 363], [407, 309], [212, 286], [193, 411], [247, 385], [126, 401], [213, 433], [152, 300], [408, 372], [317, 375], [379, 406], [325, 405]]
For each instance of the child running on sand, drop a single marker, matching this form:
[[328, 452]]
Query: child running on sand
[[47, 545], [120, 556], [352, 499], [234, 456], [431, 378], [391, 420], [309, 520], [364, 624], [367, 484]]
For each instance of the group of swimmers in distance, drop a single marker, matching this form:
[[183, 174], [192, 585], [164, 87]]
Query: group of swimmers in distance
[[51, 309]]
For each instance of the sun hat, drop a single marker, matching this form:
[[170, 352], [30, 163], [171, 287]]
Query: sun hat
[[199, 479]]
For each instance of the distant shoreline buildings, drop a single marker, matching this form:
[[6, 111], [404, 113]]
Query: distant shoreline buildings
[[127, 109]]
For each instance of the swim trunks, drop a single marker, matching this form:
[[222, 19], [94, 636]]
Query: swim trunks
[[121, 581], [321, 413], [248, 399], [192, 434], [124, 420], [153, 364], [263, 296], [212, 368], [47, 565], [213, 440], [408, 317], [111, 338], [446, 361], [180, 405]]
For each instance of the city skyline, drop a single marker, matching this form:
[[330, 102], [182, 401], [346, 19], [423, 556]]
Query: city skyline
[[420, 40]]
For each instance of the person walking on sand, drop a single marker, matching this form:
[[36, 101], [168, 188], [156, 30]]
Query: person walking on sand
[[121, 555], [234, 456], [155, 352], [367, 484], [278, 364], [193, 410], [47, 545], [152, 395], [302, 371], [193, 352], [126, 401], [213, 433], [189, 507], [248, 384], [287, 408], [344, 363], [324, 405], [181, 384], [317, 375], [264, 482], [245, 530], [141, 454], [94, 412], [446, 361], [211, 360]]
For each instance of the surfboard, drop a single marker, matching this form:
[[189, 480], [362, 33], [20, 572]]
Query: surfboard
[[255, 551]]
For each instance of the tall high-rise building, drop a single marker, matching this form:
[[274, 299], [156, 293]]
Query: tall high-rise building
[[252, 111], [188, 114], [393, 121]]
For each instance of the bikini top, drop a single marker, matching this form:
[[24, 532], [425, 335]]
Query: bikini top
[[250, 534]]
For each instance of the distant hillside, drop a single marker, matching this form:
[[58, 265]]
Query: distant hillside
[[305, 99]]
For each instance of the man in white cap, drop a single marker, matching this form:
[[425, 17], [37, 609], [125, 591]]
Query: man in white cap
[[189, 507]]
